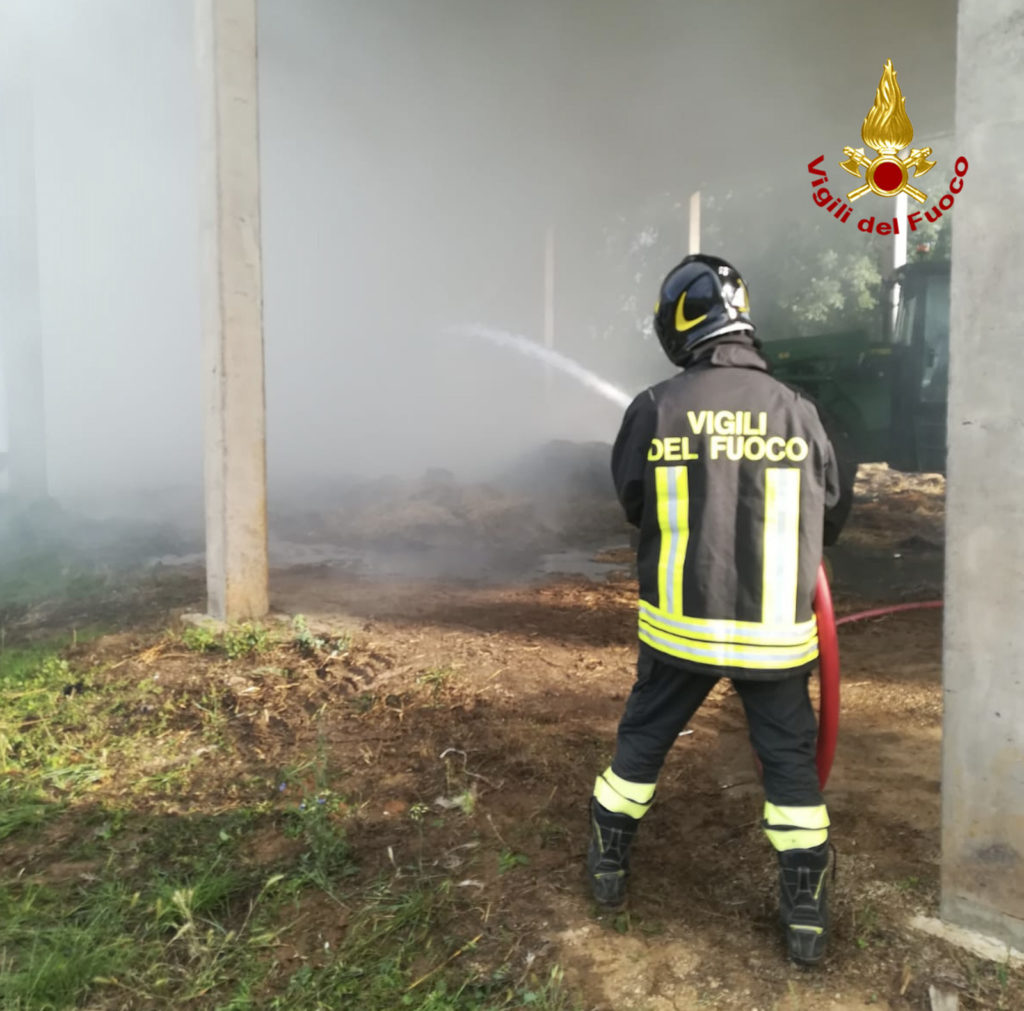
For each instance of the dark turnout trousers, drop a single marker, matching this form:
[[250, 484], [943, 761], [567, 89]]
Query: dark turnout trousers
[[783, 727], [783, 731]]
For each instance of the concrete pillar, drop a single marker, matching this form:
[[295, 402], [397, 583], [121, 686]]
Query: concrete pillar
[[694, 244], [20, 324], [234, 399], [549, 309], [549, 287], [899, 257], [899, 242], [983, 734]]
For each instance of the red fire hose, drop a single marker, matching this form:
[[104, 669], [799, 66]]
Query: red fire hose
[[828, 664], [880, 612], [828, 674]]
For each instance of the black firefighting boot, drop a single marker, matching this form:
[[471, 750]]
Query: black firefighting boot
[[608, 854], [803, 902]]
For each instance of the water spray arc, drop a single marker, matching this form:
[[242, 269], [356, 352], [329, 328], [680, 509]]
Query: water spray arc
[[525, 346]]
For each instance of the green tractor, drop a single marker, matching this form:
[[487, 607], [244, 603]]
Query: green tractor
[[884, 395]]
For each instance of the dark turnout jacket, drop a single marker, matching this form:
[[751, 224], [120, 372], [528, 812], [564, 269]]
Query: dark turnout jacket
[[728, 474]]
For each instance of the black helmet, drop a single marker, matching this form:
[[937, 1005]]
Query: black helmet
[[703, 297]]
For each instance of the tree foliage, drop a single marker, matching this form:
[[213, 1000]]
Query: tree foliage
[[807, 272]]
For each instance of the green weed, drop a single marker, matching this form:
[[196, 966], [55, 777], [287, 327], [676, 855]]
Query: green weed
[[312, 645], [508, 860], [318, 820], [436, 678], [200, 639], [306, 642], [236, 642], [246, 640], [866, 926]]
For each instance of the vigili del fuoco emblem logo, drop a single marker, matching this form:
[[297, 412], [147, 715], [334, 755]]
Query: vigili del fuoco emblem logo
[[887, 131]]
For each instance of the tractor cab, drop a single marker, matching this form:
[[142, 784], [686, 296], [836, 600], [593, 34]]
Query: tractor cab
[[918, 333], [882, 394]]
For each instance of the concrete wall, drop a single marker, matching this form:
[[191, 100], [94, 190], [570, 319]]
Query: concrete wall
[[983, 743]]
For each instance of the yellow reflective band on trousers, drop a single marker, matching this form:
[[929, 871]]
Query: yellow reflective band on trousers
[[727, 643], [620, 796], [795, 828], [673, 490], [781, 545]]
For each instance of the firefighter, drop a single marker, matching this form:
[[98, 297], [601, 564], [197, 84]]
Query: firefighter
[[728, 474]]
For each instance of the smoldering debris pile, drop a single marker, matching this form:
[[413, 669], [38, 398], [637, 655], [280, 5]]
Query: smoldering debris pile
[[557, 497]]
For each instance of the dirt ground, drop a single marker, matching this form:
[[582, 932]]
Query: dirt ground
[[466, 725], [538, 677]]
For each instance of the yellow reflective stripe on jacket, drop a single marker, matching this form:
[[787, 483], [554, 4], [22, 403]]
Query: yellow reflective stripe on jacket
[[673, 490], [620, 796], [796, 828], [754, 633], [726, 654], [781, 545], [729, 643]]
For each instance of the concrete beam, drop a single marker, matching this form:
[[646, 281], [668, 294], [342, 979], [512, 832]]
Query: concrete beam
[[983, 734], [20, 323], [232, 295]]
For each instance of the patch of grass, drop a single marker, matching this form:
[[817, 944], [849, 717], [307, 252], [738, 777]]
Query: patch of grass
[[48, 754], [409, 948], [236, 642], [191, 920], [173, 931], [147, 877], [206, 892], [53, 944], [22, 809]]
